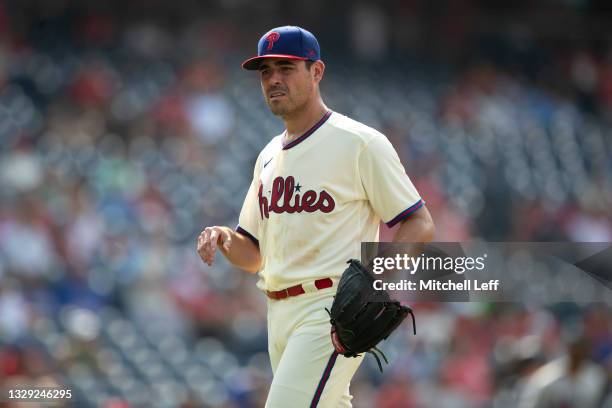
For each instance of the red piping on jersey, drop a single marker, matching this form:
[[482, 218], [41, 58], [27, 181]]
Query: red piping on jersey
[[309, 132], [405, 213], [323, 380], [247, 234]]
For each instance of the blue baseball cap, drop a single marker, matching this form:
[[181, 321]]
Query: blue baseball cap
[[289, 42]]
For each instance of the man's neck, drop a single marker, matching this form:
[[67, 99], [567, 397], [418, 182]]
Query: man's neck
[[299, 124]]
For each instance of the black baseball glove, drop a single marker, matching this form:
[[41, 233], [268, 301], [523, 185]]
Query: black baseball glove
[[362, 316]]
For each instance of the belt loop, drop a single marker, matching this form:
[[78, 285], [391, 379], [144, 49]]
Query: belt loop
[[309, 287]]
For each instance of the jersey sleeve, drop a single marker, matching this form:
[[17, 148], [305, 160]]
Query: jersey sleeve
[[385, 182], [248, 222]]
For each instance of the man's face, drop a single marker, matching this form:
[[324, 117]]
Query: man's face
[[287, 85]]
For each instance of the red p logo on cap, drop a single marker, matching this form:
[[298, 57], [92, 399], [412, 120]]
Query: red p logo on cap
[[272, 38]]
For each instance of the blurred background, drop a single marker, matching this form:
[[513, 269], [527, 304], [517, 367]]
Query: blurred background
[[128, 126]]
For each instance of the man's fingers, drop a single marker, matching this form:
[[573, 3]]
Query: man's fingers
[[208, 243], [208, 250], [203, 247], [200, 241], [214, 236], [206, 236], [203, 238]]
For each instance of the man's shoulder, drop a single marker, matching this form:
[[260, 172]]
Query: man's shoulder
[[353, 128]]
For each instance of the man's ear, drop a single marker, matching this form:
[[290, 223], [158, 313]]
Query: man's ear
[[318, 69]]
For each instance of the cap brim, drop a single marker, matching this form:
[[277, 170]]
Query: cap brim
[[252, 64]]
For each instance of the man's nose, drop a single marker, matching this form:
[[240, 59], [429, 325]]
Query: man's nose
[[275, 78]]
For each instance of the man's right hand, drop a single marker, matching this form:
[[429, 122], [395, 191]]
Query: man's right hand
[[212, 238]]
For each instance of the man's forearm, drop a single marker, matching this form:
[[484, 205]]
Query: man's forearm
[[243, 252]]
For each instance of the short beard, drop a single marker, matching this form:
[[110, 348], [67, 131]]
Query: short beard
[[287, 110], [278, 110]]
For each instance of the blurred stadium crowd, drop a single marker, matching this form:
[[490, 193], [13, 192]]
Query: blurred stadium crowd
[[124, 132]]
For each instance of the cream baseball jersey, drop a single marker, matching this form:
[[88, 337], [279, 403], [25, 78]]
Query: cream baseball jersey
[[313, 201]]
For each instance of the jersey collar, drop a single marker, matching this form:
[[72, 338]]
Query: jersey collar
[[308, 132]]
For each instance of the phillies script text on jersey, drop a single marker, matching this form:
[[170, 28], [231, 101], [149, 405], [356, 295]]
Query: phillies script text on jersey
[[283, 189]]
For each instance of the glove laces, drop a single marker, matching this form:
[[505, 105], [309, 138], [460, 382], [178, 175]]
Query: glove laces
[[375, 349]]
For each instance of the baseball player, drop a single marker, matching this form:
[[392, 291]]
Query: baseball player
[[319, 189]]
